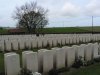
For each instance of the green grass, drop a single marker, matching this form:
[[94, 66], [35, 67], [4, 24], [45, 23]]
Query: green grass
[[90, 70], [70, 29], [95, 28], [3, 31], [62, 30], [1, 62]]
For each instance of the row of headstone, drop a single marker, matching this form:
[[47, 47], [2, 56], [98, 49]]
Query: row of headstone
[[45, 60], [19, 42], [46, 35]]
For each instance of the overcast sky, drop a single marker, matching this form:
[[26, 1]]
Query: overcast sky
[[61, 12]]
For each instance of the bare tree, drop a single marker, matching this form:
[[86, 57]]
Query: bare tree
[[31, 17]]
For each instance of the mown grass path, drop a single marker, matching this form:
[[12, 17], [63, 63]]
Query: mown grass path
[[89, 70]]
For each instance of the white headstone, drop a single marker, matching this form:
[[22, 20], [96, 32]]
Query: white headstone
[[88, 52], [45, 41], [67, 40], [96, 50], [69, 56], [21, 43], [77, 39], [14, 44], [59, 58], [59, 40], [30, 61], [80, 51], [63, 41], [40, 59], [54, 56], [2, 47], [39, 42], [34, 43], [70, 40], [75, 48], [47, 61], [54, 42], [28, 43], [74, 39], [50, 42], [12, 64], [8, 45]]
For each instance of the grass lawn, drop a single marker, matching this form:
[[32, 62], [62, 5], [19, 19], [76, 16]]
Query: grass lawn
[[70, 29], [63, 30], [90, 70], [3, 31], [1, 62]]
